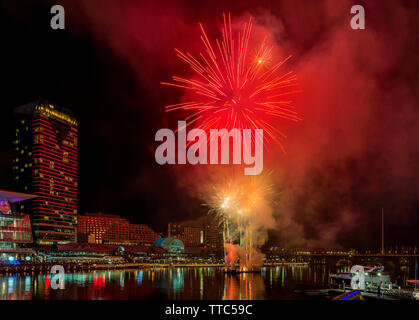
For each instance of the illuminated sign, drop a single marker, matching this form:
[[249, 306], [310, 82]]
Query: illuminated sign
[[49, 111]]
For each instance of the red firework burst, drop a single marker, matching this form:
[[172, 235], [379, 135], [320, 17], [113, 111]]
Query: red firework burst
[[232, 88]]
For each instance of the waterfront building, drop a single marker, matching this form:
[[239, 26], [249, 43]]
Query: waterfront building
[[108, 228], [201, 236], [190, 236], [171, 245], [15, 227], [213, 236], [46, 165], [141, 233]]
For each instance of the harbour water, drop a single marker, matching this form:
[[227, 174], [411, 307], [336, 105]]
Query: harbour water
[[278, 283]]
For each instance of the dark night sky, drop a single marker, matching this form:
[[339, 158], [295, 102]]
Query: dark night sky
[[356, 150]]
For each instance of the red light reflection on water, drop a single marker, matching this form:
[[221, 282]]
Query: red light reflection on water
[[99, 281], [47, 285]]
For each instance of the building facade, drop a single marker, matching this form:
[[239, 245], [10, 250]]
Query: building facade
[[141, 233], [213, 236], [201, 236], [190, 236], [15, 227], [108, 228], [46, 165]]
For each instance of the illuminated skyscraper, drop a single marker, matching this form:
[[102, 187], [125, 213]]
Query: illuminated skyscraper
[[46, 165]]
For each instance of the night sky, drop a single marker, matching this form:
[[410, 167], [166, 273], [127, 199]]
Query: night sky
[[356, 150]]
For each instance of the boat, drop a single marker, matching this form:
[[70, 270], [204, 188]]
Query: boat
[[415, 283], [374, 277], [412, 283]]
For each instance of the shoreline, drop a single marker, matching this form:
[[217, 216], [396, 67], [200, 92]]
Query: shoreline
[[43, 268]]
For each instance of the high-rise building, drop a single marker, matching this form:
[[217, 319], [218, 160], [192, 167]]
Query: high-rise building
[[46, 165]]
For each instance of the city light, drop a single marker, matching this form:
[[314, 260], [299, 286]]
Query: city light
[[323, 118]]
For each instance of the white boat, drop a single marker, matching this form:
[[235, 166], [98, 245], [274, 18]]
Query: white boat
[[372, 277], [416, 281]]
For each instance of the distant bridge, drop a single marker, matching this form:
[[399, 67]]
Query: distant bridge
[[373, 255]]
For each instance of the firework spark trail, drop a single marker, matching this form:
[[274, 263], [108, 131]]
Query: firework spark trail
[[240, 195], [240, 203], [233, 89]]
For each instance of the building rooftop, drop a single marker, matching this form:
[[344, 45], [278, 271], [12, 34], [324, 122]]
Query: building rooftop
[[45, 107]]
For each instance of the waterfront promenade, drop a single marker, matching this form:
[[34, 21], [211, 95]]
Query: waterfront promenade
[[81, 267]]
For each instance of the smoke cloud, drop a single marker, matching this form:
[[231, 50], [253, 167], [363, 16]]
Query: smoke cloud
[[357, 148]]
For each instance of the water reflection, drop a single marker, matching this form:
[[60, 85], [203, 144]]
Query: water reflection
[[278, 282], [245, 286]]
